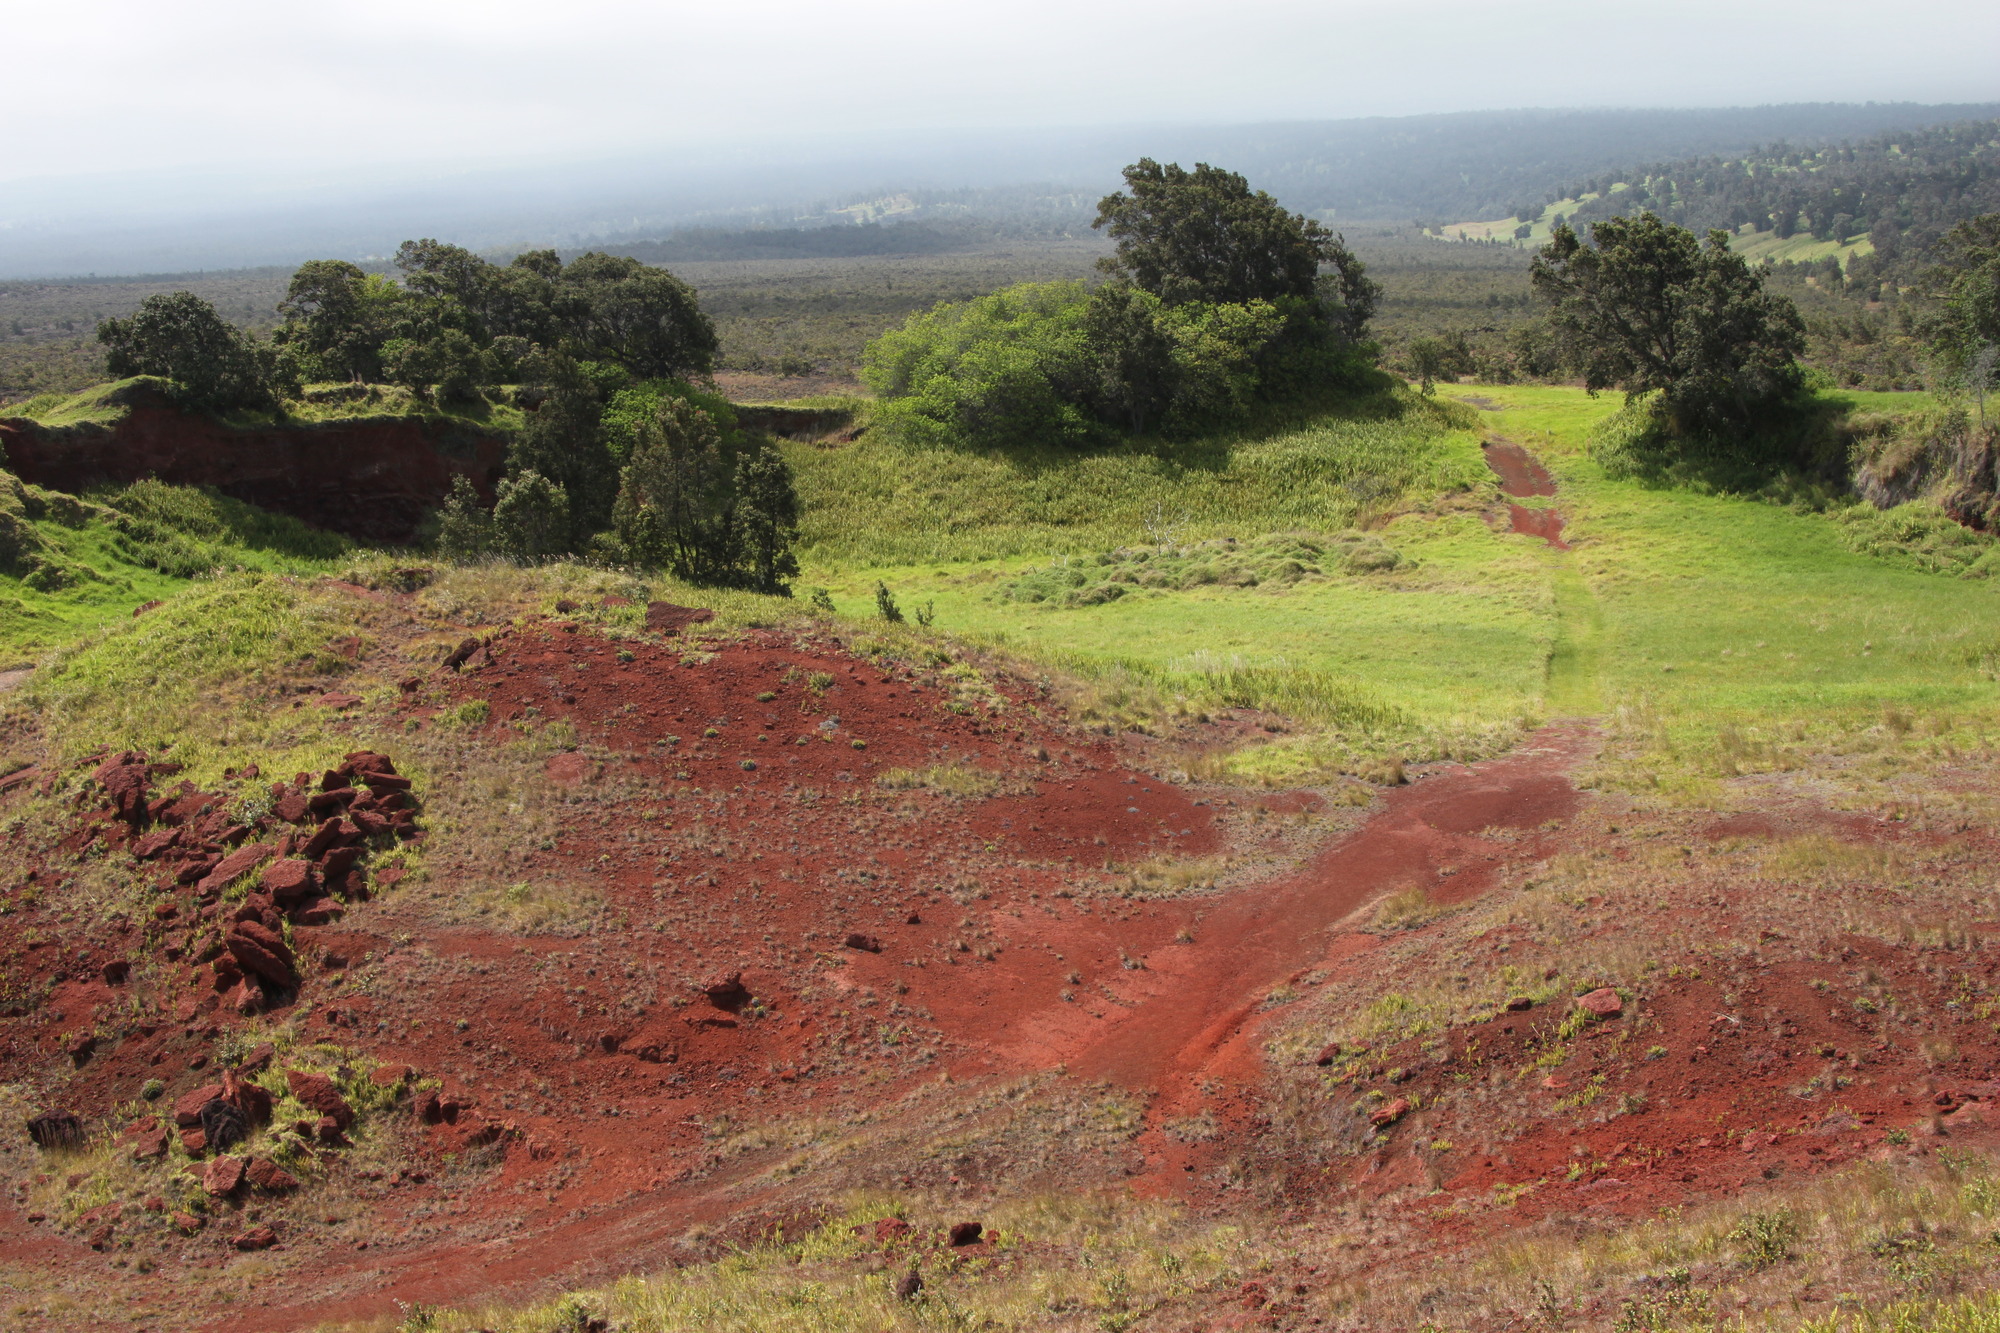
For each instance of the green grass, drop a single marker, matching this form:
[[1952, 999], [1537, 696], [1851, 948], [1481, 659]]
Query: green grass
[[99, 405], [1713, 612], [1444, 654], [86, 565], [1722, 631], [881, 503]]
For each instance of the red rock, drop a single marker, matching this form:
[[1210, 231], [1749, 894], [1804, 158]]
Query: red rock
[[1602, 1003], [124, 778], [116, 971], [1327, 1054], [291, 808], [385, 782], [166, 909], [259, 1059], [289, 881], [245, 998], [256, 1238], [330, 803], [339, 701], [666, 618], [1391, 1113], [151, 1143], [318, 1092], [253, 1100], [457, 656], [885, 1229], [726, 990], [261, 952], [238, 863], [195, 869], [327, 1130], [268, 1176], [652, 1048], [156, 842], [318, 912], [194, 1142], [865, 943], [338, 861], [188, 1223], [1520, 1002], [223, 1177], [187, 1110], [370, 761], [966, 1233], [370, 823], [389, 1076], [154, 1204]]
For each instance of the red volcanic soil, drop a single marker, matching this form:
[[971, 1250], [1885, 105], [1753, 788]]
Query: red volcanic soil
[[790, 934], [372, 480], [1521, 474]]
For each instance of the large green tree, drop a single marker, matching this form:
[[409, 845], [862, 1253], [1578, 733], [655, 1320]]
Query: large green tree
[[210, 363], [685, 505], [1647, 308], [1205, 235]]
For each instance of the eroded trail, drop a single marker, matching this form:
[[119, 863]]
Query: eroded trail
[[1198, 1004], [1523, 476]]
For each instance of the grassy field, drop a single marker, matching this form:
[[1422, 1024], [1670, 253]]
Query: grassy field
[[1734, 632], [1721, 633]]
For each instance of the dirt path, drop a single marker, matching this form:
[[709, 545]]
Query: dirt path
[[1200, 1007], [1523, 476]]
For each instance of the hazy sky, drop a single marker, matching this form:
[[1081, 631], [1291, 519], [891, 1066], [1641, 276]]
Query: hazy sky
[[108, 85]]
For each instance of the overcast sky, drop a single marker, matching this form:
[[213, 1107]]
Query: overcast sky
[[298, 89]]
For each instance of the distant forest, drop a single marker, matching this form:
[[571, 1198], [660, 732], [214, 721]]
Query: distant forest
[[1903, 190]]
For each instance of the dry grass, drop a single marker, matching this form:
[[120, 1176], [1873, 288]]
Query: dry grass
[[961, 780]]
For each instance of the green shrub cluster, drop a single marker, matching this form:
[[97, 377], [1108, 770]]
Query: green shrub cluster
[[1281, 559], [1219, 300]]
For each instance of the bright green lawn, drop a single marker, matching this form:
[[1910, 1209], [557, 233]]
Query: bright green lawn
[[1706, 621], [1445, 657], [1718, 612]]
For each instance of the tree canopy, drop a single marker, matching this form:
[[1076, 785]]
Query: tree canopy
[[1964, 285], [1204, 235], [180, 337], [1645, 307], [457, 321]]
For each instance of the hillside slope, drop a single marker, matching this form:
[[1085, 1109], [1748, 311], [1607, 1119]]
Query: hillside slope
[[531, 931]]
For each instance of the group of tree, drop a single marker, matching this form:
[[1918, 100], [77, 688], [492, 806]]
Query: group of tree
[[651, 473], [1216, 299], [1646, 307], [1901, 191], [456, 322], [620, 458]]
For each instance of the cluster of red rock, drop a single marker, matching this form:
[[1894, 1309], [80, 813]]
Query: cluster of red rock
[[309, 873]]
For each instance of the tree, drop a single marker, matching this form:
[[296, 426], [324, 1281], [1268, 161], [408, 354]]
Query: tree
[[336, 319], [1203, 235], [181, 338], [531, 520], [1964, 287], [674, 508], [767, 520], [1433, 359], [563, 440], [465, 528], [644, 319], [1645, 307]]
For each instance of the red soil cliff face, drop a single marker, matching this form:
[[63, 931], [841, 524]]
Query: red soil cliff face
[[372, 480]]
